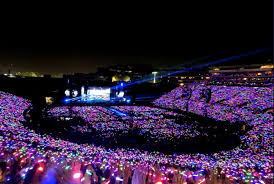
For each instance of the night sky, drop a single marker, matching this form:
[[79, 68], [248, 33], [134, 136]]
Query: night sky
[[70, 43]]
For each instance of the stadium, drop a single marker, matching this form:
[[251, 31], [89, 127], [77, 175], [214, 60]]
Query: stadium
[[195, 133], [181, 96]]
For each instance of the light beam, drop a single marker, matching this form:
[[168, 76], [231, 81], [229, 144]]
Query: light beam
[[199, 66]]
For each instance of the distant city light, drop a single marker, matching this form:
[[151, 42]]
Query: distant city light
[[267, 66]]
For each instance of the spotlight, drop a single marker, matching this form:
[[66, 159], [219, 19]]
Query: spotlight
[[198, 66]]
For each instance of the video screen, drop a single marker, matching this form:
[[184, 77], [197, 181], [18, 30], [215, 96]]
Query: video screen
[[97, 93]]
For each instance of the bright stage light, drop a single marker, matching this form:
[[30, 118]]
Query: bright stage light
[[74, 93], [121, 94], [67, 92], [98, 93], [82, 91]]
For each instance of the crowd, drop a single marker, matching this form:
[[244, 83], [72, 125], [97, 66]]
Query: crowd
[[148, 120], [97, 117], [49, 169], [30, 157], [231, 103], [142, 127]]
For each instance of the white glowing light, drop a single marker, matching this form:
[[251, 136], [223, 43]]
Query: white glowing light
[[119, 179], [121, 94], [154, 76], [99, 93], [82, 91], [67, 92], [74, 93]]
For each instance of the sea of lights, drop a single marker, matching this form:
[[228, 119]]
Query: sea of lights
[[149, 120], [252, 160]]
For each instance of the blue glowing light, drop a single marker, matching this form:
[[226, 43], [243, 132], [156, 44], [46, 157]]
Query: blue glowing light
[[151, 76], [8, 179], [66, 100], [199, 66], [117, 112]]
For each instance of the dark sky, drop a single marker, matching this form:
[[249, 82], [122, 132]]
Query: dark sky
[[78, 41]]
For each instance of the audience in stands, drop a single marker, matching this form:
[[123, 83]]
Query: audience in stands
[[29, 157]]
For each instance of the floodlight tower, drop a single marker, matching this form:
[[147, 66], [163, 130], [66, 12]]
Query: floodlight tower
[[154, 76]]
